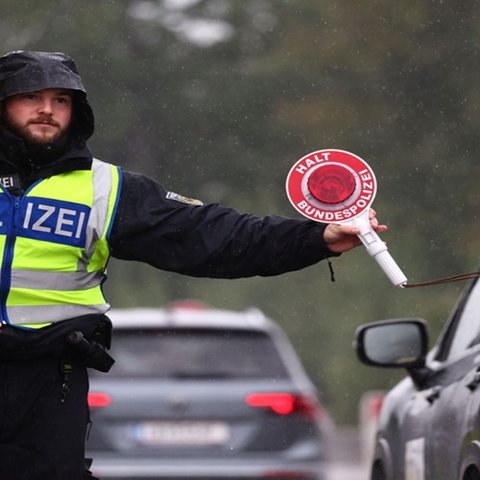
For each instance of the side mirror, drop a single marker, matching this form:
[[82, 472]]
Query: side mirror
[[393, 343]]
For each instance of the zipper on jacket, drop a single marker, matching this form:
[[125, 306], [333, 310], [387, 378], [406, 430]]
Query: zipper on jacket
[[10, 238], [6, 271]]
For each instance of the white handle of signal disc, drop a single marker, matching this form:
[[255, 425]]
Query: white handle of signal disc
[[379, 251]]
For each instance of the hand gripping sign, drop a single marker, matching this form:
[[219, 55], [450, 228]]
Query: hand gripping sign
[[335, 186]]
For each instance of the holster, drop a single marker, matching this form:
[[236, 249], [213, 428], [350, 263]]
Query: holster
[[89, 352], [17, 343]]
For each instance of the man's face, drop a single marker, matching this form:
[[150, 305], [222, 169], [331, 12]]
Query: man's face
[[39, 117]]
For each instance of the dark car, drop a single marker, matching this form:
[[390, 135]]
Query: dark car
[[429, 425], [204, 394]]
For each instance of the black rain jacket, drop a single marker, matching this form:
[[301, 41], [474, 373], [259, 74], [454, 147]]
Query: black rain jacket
[[167, 233], [208, 240]]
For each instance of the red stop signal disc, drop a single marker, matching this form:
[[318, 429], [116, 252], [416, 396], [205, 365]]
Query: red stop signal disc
[[331, 186]]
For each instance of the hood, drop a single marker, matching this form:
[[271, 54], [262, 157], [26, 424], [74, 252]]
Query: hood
[[25, 71]]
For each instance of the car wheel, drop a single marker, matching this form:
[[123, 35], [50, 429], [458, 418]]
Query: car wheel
[[382, 462], [470, 466], [471, 473], [378, 471]]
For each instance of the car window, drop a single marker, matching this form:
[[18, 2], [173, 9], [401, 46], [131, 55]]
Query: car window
[[187, 354], [467, 332]]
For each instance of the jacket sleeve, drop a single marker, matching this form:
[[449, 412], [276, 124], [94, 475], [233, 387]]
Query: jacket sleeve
[[208, 240]]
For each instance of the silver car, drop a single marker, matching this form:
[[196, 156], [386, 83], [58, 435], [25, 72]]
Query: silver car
[[201, 393]]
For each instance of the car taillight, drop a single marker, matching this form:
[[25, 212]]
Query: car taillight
[[285, 404], [98, 399]]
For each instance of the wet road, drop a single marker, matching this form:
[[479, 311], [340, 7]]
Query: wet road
[[345, 456]]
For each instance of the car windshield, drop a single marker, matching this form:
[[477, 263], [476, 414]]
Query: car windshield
[[195, 354]]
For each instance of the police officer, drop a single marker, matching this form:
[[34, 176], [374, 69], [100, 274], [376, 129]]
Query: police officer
[[62, 214]]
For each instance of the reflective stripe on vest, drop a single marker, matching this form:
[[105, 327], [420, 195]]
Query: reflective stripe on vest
[[54, 246]]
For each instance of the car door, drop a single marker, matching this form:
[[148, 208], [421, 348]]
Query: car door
[[429, 426], [452, 389]]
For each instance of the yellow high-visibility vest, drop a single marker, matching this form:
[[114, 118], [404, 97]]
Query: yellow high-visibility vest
[[53, 246]]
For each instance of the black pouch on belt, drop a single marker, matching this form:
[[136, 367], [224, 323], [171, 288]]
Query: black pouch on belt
[[17, 343]]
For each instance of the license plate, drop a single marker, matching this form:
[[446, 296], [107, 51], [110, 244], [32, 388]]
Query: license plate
[[181, 433]]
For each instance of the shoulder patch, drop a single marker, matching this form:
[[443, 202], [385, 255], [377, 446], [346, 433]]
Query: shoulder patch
[[182, 199]]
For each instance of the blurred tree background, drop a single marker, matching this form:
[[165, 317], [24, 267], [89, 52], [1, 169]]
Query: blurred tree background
[[217, 99]]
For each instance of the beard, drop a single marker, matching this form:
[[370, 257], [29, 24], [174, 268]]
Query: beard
[[25, 149], [30, 133]]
